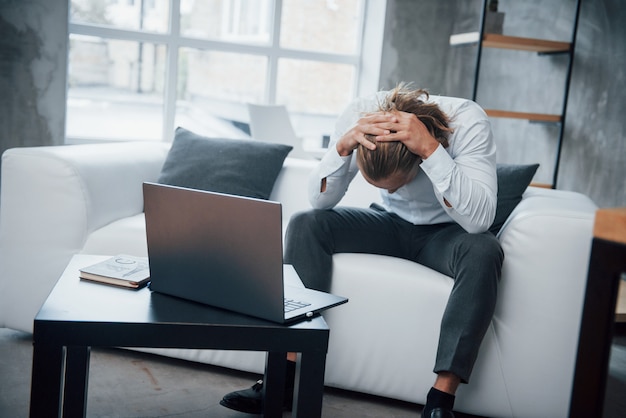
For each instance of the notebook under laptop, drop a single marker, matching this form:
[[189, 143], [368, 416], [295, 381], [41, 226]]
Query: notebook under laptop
[[224, 251]]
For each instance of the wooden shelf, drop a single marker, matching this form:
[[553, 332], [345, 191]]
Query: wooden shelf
[[542, 185], [620, 312], [535, 117], [493, 40]]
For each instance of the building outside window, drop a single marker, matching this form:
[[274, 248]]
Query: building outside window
[[139, 68]]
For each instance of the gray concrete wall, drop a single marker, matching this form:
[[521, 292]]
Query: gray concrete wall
[[593, 157], [33, 62]]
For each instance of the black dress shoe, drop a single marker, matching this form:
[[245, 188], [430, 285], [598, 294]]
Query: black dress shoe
[[439, 413], [251, 400]]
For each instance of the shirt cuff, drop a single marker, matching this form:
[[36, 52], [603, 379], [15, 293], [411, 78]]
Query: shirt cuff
[[438, 167], [333, 163]]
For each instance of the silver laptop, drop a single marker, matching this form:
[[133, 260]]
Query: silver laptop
[[225, 251]]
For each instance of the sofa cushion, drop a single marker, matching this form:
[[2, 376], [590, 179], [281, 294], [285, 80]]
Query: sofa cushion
[[512, 182], [241, 167]]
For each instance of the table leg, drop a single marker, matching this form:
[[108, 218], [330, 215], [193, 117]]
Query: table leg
[[309, 389], [274, 384], [46, 380], [76, 381], [606, 265]]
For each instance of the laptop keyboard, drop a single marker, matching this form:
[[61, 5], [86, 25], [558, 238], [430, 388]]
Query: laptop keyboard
[[291, 305]]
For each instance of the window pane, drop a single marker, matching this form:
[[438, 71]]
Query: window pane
[[321, 25], [216, 84], [314, 87], [148, 15], [227, 20], [115, 89]]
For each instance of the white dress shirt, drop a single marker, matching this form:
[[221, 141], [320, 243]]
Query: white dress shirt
[[464, 174]]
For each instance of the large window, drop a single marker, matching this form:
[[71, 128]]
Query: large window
[[139, 68]]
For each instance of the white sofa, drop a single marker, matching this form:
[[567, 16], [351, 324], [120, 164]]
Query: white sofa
[[59, 201]]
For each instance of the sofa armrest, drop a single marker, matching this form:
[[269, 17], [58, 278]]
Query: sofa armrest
[[546, 242], [51, 199]]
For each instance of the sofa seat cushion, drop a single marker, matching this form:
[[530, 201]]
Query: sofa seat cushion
[[124, 236], [384, 292], [391, 321]]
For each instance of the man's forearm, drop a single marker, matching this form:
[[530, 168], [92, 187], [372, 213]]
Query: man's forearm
[[466, 191]]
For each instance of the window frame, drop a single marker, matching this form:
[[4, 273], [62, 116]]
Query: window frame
[[366, 61], [231, 13]]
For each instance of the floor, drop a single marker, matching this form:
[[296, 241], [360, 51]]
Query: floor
[[125, 383]]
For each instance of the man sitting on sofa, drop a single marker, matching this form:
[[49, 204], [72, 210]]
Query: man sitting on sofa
[[434, 160]]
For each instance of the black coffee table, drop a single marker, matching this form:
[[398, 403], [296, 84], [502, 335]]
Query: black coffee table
[[78, 315]]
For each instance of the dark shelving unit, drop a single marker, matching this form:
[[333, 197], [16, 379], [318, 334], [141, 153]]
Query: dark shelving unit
[[539, 46]]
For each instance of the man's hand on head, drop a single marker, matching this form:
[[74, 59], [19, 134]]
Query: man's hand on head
[[408, 129], [370, 124]]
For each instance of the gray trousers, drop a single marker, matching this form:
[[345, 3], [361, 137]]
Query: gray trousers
[[474, 261]]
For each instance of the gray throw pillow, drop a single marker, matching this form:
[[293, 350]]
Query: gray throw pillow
[[512, 182], [233, 166]]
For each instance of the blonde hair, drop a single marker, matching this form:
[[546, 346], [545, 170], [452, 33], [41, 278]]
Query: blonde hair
[[392, 157]]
